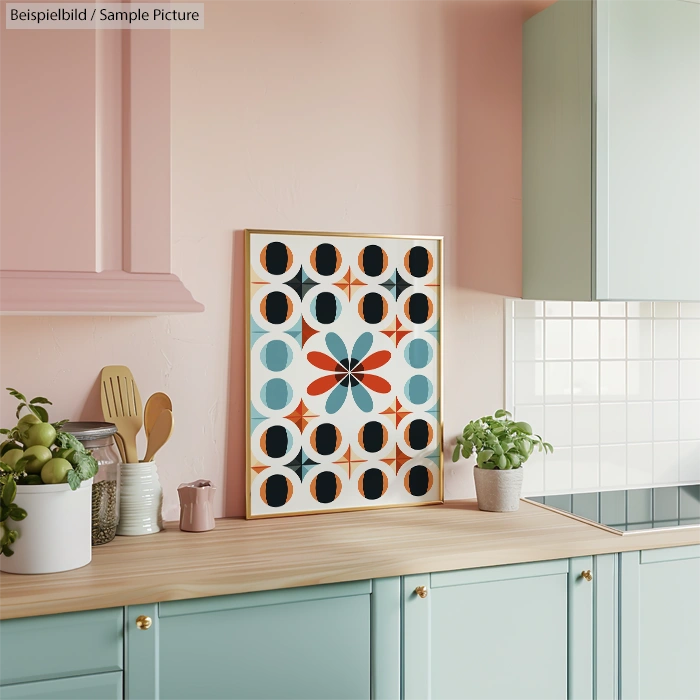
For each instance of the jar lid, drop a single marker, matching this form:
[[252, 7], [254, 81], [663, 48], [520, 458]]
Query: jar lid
[[90, 430]]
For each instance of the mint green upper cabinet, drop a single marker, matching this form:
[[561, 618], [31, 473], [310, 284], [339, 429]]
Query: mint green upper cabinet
[[660, 624], [611, 151], [296, 644], [523, 631]]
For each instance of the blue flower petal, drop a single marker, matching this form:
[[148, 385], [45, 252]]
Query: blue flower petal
[[362, 398], [337, 347], [336, 399], [361, 347]]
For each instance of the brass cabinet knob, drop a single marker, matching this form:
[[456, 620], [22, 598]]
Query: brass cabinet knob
[[143, 622], [587, 575], [422, 591]]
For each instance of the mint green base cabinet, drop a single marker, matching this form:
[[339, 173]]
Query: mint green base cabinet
[[295, 644], [102, 686], [660, 624], [524, 632]]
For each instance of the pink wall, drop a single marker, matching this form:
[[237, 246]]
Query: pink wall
[[390, 117]]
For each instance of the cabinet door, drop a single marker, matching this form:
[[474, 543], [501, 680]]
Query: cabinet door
[[101, 686], [660, 624], [522, 631], [299, 643], [648, 150]]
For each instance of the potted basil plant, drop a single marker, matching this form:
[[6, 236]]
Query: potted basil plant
[[502, 446]]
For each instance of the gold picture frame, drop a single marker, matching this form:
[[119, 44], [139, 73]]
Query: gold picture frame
[[439, 438]]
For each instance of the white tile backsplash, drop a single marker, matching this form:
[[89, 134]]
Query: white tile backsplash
[[614, 386]]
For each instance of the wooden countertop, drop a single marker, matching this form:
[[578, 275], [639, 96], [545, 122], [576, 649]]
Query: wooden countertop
[[241, 556]]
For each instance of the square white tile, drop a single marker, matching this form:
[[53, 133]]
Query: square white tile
[[665, 339], [586, 424], [586, 461], [666, 467], [612, 309], [640, 464], [586, 381], [689, 420], [557, 308], [557, 470], [613, 380], [665, 420], [690, 338], [613, 465], [640, 385], [640, 422], [690, 379], [557, 382], [690, 309], [557, 339], [525, 308], [665, 380], [585, 339], [529, 339], [665, 309], [689, 461], [534, 415], [639, 339], [557, 424], [640, 309], [613, 423], [528, 383], [612, 339]]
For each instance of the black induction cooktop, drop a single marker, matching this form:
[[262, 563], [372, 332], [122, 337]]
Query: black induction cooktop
[[632, 510]]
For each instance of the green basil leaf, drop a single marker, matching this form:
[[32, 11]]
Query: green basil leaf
[[17, 513], [9, 491], [7, 551], [455, 452]]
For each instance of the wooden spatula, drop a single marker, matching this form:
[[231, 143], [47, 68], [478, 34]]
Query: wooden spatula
[[160, 434], [121, 405], [156, 403]]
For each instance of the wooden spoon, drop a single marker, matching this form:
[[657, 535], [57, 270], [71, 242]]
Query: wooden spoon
[[121, 405], [160, 434], [156, 403]]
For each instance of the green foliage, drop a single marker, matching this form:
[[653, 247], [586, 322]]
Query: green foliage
[[499, 442], [84, 466]]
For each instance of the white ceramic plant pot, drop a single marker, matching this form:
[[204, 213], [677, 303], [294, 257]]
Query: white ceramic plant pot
[[498, 490], [56, 534], [140, 499]]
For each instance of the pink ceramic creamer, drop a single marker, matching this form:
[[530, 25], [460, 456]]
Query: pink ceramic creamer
[[196, 506]]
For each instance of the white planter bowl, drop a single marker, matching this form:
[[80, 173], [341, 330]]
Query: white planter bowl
[[140, 499], [498, 490], [56, 534]]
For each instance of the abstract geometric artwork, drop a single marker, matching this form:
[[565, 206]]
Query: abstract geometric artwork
[[344, 372]]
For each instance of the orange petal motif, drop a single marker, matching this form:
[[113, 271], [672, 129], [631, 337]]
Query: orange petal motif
[[375, 383], [323, 361], [375, 360], [322, 385]]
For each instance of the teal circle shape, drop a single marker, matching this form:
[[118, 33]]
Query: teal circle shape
[[276, 394], [418, 353], [276, 355], [418, 389]]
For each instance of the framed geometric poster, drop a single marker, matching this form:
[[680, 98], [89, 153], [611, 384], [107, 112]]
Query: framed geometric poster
[[344, 377]]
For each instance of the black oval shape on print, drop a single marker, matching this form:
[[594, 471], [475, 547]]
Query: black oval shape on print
[[418, 261], [418, 308], [418, 434], [373, 434], [373, 484], [326, 259], [373, 307], [276, 307], [326, 307], [373, 260], [276, 441], [276, 258], [327, 439], [276, 490], [326, 487], [418, 480]]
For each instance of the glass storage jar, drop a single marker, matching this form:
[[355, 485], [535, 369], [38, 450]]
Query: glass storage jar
[[99, 439]]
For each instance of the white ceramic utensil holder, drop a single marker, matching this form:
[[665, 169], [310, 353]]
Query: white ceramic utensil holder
[[56, 534], [140, 500]]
